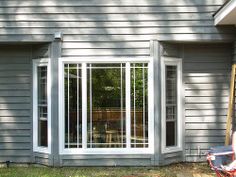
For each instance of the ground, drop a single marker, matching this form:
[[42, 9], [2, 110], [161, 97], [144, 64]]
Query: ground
[[175, 170]]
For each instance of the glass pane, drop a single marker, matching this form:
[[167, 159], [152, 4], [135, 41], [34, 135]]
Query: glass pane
[[106, 105], [170, 133], [73, 105], [42, 106], [171, 105], [139, 105]]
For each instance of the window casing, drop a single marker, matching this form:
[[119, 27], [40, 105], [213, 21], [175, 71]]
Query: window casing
[[105, 105], [171, 104], [41, 106]]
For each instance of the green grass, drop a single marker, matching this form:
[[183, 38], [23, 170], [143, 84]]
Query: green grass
[[168, 171]]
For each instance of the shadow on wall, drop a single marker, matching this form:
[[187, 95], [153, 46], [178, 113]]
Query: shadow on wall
[[115, 28], [206, 78], [125, 28]]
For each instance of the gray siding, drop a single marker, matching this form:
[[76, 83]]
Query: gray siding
[[113, 28], [206, 73], [42, 158], [206, 79], [15, 103], [107, 160]]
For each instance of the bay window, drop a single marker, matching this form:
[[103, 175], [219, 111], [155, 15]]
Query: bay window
[[105, 105], [41, 105], [171, 104]]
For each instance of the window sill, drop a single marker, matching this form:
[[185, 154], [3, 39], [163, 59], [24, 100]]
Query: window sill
[[110, 151]]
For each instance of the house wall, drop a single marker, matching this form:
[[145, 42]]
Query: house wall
[[16, 101], [15, 104], [97, 28], [206, 75]]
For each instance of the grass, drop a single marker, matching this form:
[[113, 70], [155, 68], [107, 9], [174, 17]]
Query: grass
[[168, 171]]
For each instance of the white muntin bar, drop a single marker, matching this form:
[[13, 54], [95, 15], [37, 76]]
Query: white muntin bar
[[134, 109], [77, 107], [91, 105], [68, 105], [121, 103], [84, 106], [144, 138], [128, 117]]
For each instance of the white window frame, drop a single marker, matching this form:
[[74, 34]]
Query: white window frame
[[83, 150], [171, 61], [36, 63]]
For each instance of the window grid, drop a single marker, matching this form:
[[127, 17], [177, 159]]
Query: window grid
[[122, 67], [41, 106], [172, 140]]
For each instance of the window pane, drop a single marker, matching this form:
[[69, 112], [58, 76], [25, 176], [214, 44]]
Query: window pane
[[171, 105], [106, 105], [42, 106], [73, 105], [139, 105]]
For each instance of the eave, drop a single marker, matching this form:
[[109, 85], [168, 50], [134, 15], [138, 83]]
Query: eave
[[226, 15]]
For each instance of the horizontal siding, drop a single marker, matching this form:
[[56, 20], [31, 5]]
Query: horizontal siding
[[113, 28], [110, 28], [15, 101], [206, 80], [107, 160], [42, 158], [173, 157]]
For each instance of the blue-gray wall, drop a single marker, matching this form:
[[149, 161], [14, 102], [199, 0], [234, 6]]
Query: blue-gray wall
[[115, 28]]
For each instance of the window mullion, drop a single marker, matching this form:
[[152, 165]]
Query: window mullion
[[84, 106], [68, 106], [144, 130], [121, 104], [90, 106], [77, 106], [128, 115], [134, 105]]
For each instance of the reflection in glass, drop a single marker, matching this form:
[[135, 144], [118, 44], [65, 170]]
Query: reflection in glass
[[73, 105], [42, 106], [171, 105], [106, 88], [106, 106], [139, 105]]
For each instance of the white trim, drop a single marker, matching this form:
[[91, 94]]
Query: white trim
[[224, 12], [84, 149], [84, 106], [61, 107], [128, 106], [36, 63], [113, 151], [105, 60], [171, 61], [151, 105]]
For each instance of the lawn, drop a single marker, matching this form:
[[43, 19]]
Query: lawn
[[168, 171]]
